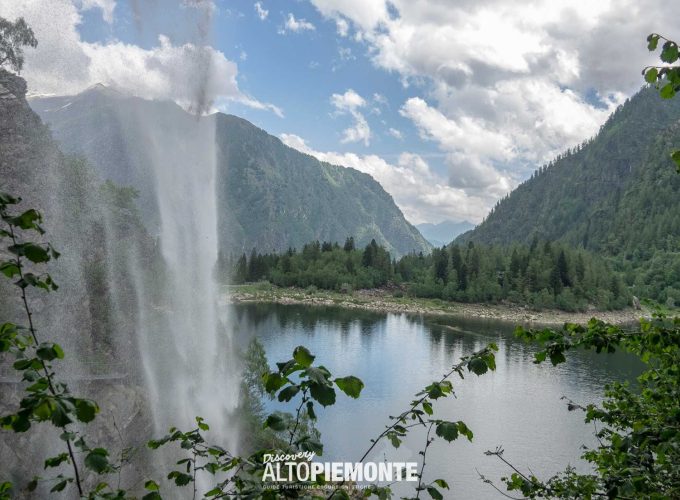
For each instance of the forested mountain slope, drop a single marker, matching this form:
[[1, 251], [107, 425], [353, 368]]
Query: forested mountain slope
[[270, 196], [608, 195], [618, 194]]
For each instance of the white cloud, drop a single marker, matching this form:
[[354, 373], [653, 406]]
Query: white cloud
[[107, 7], [262, 13], [346, 54], [350, 102], [196, 76], [342, 26], [473, 147], [395, 133], [380, 99], [422, 195], [296, 25], [366, 13], [502, 86]]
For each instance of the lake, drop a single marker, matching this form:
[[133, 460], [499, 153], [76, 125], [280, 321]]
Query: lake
[[517, 407]]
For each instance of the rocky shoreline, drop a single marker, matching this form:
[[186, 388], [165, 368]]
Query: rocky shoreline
[[381, 301]]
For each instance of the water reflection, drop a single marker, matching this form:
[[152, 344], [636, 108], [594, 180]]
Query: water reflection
[[518, 406]]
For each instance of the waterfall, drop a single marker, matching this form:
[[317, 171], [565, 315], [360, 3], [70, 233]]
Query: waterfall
[[184, 348]]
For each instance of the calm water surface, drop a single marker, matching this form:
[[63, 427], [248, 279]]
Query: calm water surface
[[517, 407]]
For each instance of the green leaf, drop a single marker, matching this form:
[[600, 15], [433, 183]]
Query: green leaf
[[427, 407], [56, 461], [9, 268], [438, 390], [275, 422], [318, 375], [151, 485], [201, 424], [322, 393], [310, 410], [447, 431], [540, 357], [303, 357], [39, 386], [651, 75], [441, 483], [394, 439], [675, 156], [45, 409], [20, 422], [8, 199], [180, 478], [97, 460], [86, 410], [557, 357], [667, 91], [25, 364], [61, 485], [34, 253], [309, 444], [28, 220], [32, 484], [288, 393], [478, 366], [669, 52], [154, 495], [653, 41], [434, 493], [48, 351], [351, 386], [274, 381], [465, 430]]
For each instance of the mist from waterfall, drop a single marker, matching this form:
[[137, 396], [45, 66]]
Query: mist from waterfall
[[137, 308], [185, 349]]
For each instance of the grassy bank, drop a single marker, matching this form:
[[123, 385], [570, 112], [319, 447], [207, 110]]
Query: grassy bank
[[385, 301]]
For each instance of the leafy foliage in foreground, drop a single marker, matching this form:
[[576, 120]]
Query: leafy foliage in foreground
[[14, 36], [543, 275], [46, 399], [638, 455]]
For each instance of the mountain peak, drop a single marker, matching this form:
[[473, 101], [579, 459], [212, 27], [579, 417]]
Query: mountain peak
[[271, 197], [100, 88]]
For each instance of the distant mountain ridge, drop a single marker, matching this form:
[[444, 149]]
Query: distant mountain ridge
[[618, 194], [592, 195], [443, 232], [270, 197]]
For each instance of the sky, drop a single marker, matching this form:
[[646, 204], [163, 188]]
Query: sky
[[449, 104]]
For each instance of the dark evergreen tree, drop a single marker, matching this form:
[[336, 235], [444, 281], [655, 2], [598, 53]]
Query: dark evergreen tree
[[349, 244]]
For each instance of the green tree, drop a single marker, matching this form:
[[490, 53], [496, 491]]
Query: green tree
[[14, 36], [563, 269], [637, 427], [349, 244], [665, 77], [241, 272], [441, 264]]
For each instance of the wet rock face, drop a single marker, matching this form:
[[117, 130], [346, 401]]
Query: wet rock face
[[32, 167], [12, 84], [123, 426]]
